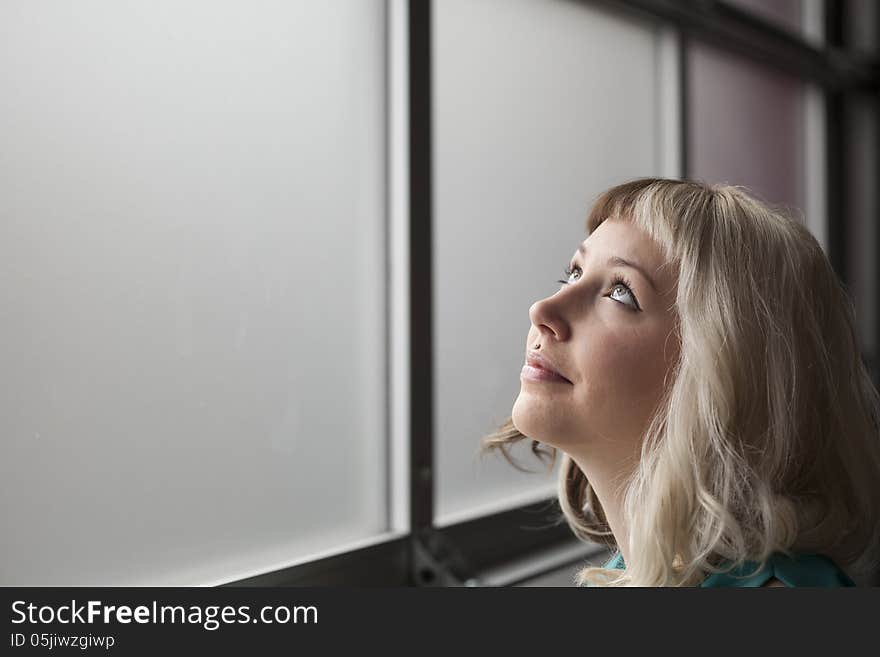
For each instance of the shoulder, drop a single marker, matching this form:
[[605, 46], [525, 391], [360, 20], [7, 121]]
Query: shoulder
[[803, 569], [783, 570], [809, 569]]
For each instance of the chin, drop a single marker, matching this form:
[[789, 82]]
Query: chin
[[519, 416], [526, 419], [538, 421]]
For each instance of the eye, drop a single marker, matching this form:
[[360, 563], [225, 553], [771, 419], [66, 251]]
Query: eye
[[620, 288], [568, 272]]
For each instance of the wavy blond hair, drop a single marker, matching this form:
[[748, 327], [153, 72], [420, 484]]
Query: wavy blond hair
[[767, 437]]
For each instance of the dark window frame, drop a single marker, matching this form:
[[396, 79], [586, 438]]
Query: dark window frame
[[457, 554]]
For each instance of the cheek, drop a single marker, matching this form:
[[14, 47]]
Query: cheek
[[624, 371]]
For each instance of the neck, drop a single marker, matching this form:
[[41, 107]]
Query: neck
[[608, 480]]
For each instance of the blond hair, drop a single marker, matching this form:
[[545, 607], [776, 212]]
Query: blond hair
[[767, 437]]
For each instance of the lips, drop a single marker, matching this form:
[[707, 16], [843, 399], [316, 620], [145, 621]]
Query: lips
[[540, 361]]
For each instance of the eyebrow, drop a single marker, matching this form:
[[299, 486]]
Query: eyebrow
[[622, 262]]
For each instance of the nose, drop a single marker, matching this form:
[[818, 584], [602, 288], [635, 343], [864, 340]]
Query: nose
[[547, 316]]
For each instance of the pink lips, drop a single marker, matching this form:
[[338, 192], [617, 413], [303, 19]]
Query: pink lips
[[540, 368]]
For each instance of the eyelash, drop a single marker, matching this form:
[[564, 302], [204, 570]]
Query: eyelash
[[618, 280]]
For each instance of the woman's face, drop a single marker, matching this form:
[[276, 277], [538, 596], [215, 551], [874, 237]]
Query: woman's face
[[614, 341]]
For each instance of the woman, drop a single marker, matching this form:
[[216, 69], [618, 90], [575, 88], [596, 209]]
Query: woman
[[698, 368]]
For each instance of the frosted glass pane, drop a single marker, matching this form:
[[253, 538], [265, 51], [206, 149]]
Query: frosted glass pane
[[192, 289], [539, 106], [746, 125]]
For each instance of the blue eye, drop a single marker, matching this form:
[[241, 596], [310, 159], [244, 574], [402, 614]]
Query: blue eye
[[619, 284]]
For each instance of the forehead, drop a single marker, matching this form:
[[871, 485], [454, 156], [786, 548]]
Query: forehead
[[622, 238]]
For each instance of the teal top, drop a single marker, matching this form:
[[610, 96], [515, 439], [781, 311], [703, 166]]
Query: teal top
[[799, 570]]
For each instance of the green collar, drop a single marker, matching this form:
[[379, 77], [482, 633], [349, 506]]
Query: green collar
[[797, 570]]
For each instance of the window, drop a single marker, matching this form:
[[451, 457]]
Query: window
[[534, 115], [266, 270], [194, 290]]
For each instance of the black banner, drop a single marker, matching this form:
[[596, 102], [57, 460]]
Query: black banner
[[123, 621]]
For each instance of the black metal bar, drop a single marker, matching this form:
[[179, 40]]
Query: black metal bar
[[835, 176], [421, 273], [834, 23], [384, 564], [546, 570], [466, 548], [836, 160], [875, 106], [508, 535], [723, 26]]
